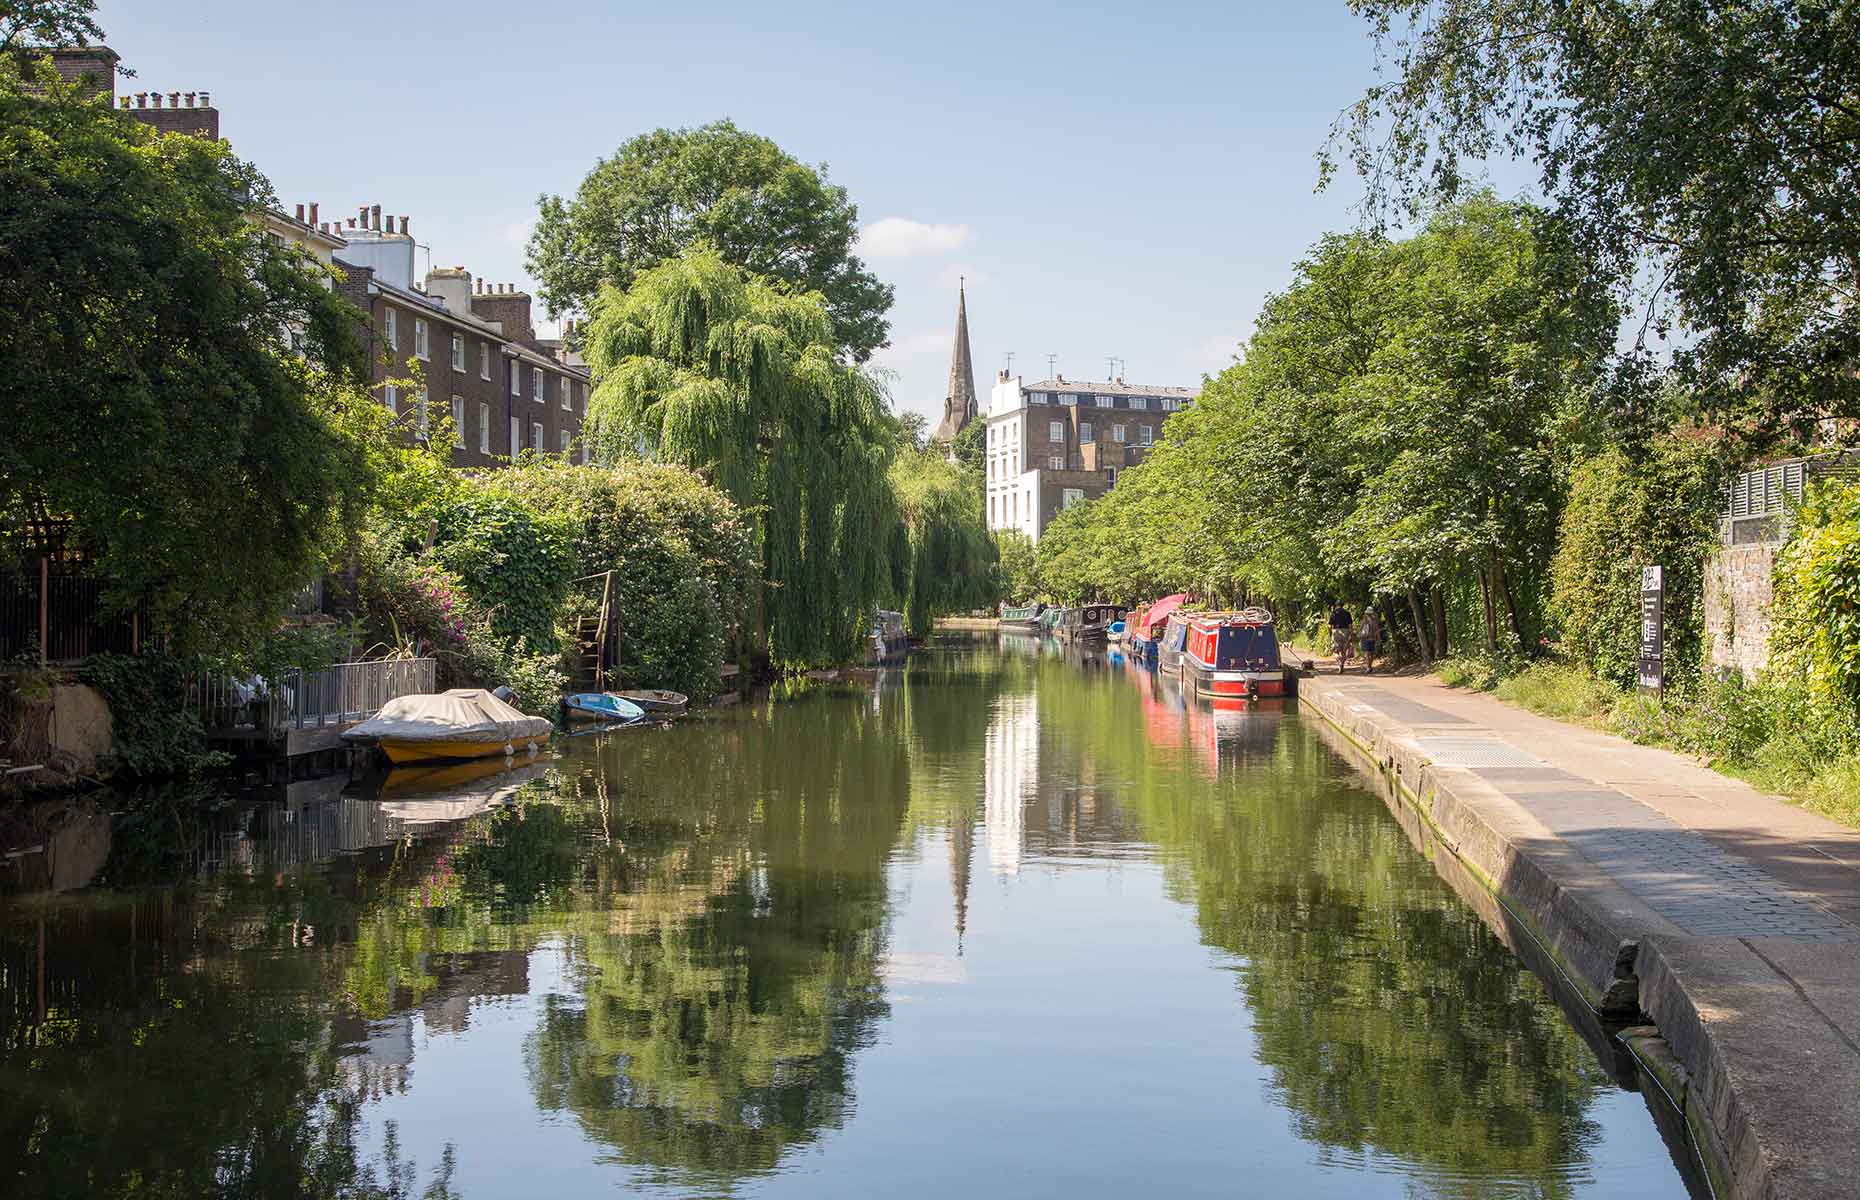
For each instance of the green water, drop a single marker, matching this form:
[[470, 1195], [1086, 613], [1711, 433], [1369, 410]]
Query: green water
[[1004, 924]]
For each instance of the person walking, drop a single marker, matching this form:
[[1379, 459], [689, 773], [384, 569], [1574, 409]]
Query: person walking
[[1342, 634], [1369, 638]]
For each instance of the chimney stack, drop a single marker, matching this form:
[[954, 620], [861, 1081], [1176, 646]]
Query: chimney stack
[[404, 231], [375, 212], [313, 212], [362, 215], [204, 102], [300, 214], [174, 99], [390, 222], [190, 99]]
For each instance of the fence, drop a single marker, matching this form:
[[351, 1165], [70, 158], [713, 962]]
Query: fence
[[59, 608], [329, 698], [1757, 503]]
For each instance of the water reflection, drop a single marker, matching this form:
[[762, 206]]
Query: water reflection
[[694, 950]]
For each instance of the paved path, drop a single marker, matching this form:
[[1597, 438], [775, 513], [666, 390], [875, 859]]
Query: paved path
[[1747, 908]]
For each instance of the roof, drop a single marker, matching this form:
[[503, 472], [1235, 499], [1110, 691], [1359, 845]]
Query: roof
[[1109, 387]]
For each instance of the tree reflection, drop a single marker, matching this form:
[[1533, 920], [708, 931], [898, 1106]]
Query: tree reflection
[[735, 964]]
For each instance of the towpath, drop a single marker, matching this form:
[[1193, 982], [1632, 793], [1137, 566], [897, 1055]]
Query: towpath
[[1730, 918]]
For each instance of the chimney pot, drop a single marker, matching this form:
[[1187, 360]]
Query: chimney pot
[[154, 99], [404, 232], [300, 214], [313, 213], [142, 99], [375, 212], [124, 102], [351, 222], [174, 99], [362, 214], [190, 99], [390, 222], [203, 101]]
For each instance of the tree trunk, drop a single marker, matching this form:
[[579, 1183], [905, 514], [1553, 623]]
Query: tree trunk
[[1491, 612], [1511, 605], [1391, 631], [1420, 628]]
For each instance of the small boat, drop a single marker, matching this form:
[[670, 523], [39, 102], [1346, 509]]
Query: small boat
[[461, 723], [600, 706], [1144, 631], [1024, 618], [888, 641], [1050, 619], [1090, 623], [1115, 634], [1234, 656], [657, 700]]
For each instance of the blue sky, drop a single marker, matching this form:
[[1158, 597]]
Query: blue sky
[[1122, 180]]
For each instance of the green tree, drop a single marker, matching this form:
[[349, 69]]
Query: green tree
[[152, 397], [705, 365], [1018, 560], [26, 23], [1716, 142], [664, 192], [951, 556]]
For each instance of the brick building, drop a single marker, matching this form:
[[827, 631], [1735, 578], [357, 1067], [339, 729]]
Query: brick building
[[472, 348], [1054, 443]]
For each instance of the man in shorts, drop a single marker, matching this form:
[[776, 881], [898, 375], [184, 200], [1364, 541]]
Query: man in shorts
[[1342, 635]]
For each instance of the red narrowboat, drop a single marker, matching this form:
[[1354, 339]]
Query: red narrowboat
[[1229, 655]]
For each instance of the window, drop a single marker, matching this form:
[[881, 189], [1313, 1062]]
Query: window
[[391, 398], [516, 378], [1068, 398], [1117, 433], [1017, 506], [1071, 496], [536, 436], [1055, 431], [458, 354], [1103, 401], [1084, 431], [564, 436], [484, 360], [1145, 435], [458, 421], [1057, 462], [484, 428], [1112, 473], [1139, 403], [1040, 397], [566, 402], [393, 330], [536, 389], [516, 437], [421, 350]]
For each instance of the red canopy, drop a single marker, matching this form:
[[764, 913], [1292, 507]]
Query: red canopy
[[1159, 612]]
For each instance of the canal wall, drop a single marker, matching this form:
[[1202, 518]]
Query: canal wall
[[1748, 1022]]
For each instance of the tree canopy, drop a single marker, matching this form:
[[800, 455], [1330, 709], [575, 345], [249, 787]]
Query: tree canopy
[[1709, 149], [702, 364], [153, 398], [757, 207]]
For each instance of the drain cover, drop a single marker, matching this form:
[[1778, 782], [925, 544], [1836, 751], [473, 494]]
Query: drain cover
[[1475, 752]]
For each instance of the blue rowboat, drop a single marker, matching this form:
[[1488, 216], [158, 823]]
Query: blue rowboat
[[600, 706]]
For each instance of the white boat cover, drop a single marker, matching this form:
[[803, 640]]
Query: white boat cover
[[460, 715]]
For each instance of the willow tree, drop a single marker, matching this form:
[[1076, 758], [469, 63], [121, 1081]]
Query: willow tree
[[951, 557], [706, 365]]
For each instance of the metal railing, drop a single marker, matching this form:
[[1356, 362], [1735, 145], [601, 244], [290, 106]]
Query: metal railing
[[334, 696]]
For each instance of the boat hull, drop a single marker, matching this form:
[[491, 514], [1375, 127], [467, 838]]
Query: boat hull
[[407, 751], [1234, 685]]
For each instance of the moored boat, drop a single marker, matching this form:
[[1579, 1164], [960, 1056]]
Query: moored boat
[[1144, 628], [1234, 656], [1024, 617], [461, 723], [1115, 634], [657, 700], [1169, 645], [1050, 619], [600, 706], [1089, 623]]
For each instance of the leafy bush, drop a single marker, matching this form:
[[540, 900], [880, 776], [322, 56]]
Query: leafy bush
[[514, 564], [1624, 513], [155, 732], [1560, 690], [1815, 613]]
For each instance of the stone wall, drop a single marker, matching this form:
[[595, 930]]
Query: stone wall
[[1737, 607]]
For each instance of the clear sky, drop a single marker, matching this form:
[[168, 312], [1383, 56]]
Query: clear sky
[[1125, 179]]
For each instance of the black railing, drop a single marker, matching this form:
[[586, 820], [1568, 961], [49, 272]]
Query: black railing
[[59, 608]]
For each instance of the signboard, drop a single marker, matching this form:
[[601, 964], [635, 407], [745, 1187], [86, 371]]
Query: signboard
[[1652, 628]]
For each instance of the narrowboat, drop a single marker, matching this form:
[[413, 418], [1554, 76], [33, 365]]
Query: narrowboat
[[1234, 656], [888, 641], [1170, 645], [1145, 627], [1024, 618], [1050, 619], [1090, 623]]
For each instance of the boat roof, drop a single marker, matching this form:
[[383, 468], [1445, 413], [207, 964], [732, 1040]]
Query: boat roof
[[1249, 617]]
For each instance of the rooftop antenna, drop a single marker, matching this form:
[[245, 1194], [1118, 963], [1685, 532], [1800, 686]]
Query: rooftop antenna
[[1110, 364], [1051, 359], [1010, 363]]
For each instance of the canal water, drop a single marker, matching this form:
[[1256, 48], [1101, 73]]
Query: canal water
[[1005, 923]]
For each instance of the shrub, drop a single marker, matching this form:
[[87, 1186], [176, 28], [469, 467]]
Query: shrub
[[515, 564], [1815, 629], [1624, 513], [1560, 690], [154, 731]]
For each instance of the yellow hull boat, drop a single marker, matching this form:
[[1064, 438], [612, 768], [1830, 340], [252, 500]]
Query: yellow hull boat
[[413, 752]]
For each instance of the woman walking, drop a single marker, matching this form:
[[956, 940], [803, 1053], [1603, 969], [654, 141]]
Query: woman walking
[[1369, 638]]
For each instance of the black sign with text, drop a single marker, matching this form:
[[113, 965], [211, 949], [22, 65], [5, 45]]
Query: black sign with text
[[1652, 628]]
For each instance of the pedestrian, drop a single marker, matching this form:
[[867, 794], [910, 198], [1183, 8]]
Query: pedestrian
[[1369, 637], [1342, 634]]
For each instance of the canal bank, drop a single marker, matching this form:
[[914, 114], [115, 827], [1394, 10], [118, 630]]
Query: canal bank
[[1665, 894]]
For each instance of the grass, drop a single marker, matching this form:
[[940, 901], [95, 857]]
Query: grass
[[1770, 736]]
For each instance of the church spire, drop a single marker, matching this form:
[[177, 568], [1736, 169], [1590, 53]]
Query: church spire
[[959, 403]]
